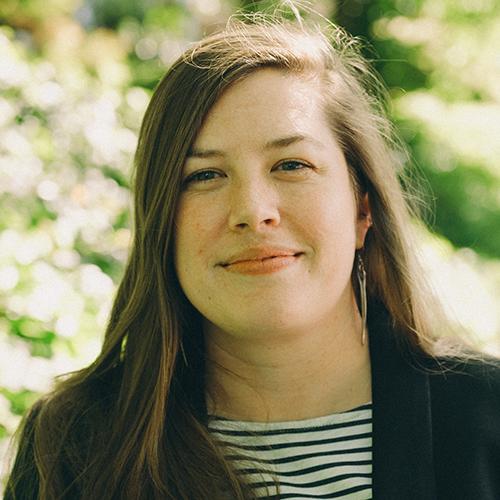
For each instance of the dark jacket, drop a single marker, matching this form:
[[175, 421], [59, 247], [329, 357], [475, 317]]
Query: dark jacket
[[436, 434]]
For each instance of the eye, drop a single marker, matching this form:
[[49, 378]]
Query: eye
[[201, 176], [292, 165]]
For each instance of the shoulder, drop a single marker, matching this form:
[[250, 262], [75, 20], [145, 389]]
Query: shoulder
[[58, 433], [465, 378], [465, 396], [23, 481], [465, 415]]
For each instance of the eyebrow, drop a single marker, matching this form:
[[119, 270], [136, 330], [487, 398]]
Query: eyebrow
[[279, 143]]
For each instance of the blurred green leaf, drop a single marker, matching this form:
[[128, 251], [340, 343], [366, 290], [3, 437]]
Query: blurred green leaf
[[20, 401]]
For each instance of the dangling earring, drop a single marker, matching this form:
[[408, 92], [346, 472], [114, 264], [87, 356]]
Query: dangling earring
[[361, 273]]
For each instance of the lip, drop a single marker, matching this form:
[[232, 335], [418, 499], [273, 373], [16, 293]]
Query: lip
[[261, 260], [262, 266], [260, 254]]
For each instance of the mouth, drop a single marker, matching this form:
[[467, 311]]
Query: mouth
[[264, 265], [261, 259]]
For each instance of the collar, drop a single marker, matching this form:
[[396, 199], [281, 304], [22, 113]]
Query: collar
[[402, 426]]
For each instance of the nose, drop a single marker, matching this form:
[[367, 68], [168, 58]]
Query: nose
[[253, 205]]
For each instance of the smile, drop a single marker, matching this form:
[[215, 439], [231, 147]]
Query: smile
[[266, 265]]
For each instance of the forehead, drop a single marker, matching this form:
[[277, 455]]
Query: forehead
[[267, 103]]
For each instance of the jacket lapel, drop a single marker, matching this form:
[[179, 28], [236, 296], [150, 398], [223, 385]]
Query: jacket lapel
[[402, 427]]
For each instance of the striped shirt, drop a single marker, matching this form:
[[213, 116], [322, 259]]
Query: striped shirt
[[323, 457]]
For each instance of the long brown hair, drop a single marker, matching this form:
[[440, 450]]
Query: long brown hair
[[132, 425]]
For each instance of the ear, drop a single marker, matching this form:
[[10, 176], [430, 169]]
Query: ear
[[364, 221]]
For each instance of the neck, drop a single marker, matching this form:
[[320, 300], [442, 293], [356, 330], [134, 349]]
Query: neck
[[293, 377]]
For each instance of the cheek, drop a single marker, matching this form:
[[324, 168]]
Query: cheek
[[194, 231], [328, 221], [330, 208]]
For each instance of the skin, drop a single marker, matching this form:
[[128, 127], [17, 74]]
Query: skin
[[284, 345]]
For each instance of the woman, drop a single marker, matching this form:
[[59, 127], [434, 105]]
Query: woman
[[271, 335]]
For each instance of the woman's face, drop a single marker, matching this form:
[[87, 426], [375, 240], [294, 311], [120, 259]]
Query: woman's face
[[267, 222]]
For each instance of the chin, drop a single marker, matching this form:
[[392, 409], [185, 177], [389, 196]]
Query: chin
[[268, 323]]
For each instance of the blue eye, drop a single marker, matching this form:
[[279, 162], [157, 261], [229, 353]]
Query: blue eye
[[202, 176], [292, 165], [205, 176]]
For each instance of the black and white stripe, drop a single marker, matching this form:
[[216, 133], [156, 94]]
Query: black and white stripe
[[324, 457]]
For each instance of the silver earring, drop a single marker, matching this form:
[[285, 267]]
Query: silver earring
[[362, 293]]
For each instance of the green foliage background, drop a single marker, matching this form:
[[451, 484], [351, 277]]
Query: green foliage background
[[75, 78]]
